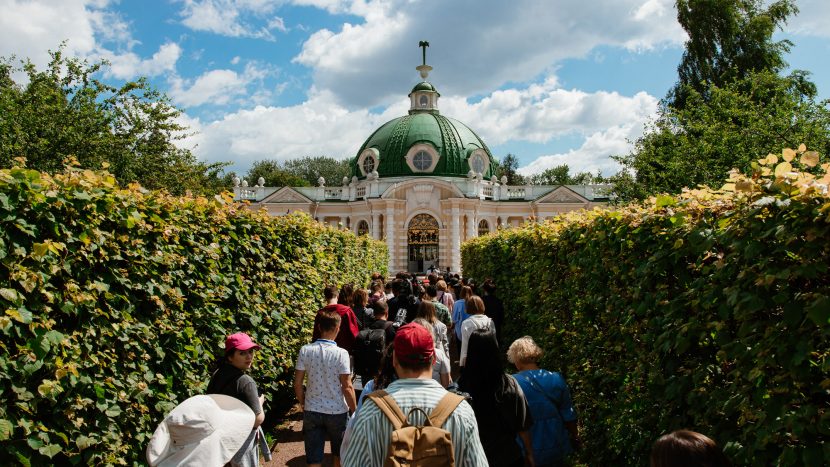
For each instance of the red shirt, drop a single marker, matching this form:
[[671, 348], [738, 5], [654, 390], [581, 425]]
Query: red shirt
[[348, 326]]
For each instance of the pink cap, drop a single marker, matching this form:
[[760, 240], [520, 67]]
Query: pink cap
[[240, 341]]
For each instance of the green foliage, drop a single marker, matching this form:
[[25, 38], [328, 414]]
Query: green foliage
[[708, 311], [699, 144], [312, 168], [508, 167], [116, 301], [729, 40], [64, 111], [274, 175], [561, 175]]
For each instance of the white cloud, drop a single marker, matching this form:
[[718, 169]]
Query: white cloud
[[233, 18], [129, 65], [30, 29], [813, 19], [318, 126], [218, 87], [593, 154], [502, 42], [89, 27]]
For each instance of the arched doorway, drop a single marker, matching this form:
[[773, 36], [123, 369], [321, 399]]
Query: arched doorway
[[422, 236]]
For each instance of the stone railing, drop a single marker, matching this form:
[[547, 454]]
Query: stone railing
[[333, 193]]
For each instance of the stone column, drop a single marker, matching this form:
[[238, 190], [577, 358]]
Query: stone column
[[455, 241], [376, 226], [390, 240], [472, 227]]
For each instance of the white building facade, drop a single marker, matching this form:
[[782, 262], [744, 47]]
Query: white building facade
[[423, 183]]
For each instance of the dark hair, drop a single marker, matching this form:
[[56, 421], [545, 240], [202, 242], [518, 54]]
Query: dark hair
[[489, 286], [376, 276], [415, 366], [345, 296], [426, 310], [432, 290], [466, 292], [330, 292], [386, 372], [380, 307], [684, 448], [420, 291], [432, 278], [328, 321], [475, 305], [403, 288], [483, 373], [389, 285]]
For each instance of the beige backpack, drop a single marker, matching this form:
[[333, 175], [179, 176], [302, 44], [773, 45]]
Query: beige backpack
[[418, 446]]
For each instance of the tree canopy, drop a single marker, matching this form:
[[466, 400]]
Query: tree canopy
[[728, 41], [65, 111], [303, 171], [731, 104], [561, 175], [508, 167]]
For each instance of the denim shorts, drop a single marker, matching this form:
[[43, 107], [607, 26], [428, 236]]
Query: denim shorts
[[316, 426]]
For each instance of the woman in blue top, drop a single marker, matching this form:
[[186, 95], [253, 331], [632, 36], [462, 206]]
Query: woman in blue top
[[459, 311], [554, 432]]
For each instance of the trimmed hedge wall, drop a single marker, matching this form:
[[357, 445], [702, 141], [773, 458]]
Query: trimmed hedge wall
[[707, 311], [116, 301]]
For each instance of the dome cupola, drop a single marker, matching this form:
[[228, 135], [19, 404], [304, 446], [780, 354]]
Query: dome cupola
[[424, 142]]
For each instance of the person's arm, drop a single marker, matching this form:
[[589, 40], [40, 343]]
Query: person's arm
[[299, 392], [348, 391], [526, 440], [445, 379]]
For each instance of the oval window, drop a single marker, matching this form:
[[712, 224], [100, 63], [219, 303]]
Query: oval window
[[368, 164]]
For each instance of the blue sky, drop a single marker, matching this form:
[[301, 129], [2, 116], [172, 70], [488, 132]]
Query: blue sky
[[551, 81]]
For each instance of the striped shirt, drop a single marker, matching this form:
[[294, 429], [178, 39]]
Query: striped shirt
[[372, 430]]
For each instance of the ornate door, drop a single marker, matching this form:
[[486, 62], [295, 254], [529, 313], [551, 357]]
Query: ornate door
[[422, 236]]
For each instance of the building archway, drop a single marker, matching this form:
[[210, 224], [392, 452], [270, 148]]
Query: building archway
[[422, 238]]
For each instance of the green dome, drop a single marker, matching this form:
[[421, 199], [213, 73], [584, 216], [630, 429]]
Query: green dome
[[453, 141], [423, 86]]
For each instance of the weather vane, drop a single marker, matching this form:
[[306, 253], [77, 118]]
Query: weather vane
[[424, 68]]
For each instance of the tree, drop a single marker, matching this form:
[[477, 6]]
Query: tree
[[311, 168], [728, 41], [65, 111], [561, 175], [508, 167], [274, 175], [728, 127]]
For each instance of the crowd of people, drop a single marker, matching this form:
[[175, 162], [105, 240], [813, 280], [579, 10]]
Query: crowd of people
[[400, 340]]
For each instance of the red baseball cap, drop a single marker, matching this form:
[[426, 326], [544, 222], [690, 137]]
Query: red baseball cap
[[414, 344], [240, 341]]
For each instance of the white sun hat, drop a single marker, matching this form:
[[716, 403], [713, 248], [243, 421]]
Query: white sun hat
[[205, 430]]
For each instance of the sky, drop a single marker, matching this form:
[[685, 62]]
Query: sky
[[550, 81]]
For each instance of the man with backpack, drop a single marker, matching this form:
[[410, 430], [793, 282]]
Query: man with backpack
[[431, 426], [371, 342]]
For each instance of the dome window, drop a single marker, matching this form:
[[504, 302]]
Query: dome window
[[479, 162], [367, 162], [422, 157], [423, 101], [422, 160]]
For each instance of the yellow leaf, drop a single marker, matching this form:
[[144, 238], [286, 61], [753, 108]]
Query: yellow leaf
[[802, 147], [728, 187], [810, 159], [762, 161], [788, 154], [772, 159], [783, 169], [678, 243], [743, 185]]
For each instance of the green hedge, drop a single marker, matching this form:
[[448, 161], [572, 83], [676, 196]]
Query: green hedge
[[117, 300], [706, 311]]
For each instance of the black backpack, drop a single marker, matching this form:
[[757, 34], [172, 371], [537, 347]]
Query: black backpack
[[368, 350]]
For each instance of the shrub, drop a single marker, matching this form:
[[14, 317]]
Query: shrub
[[708, 311], [117, 301]]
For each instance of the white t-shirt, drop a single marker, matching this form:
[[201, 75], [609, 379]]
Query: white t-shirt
[[441, 365], [480, 321], [324, 362]]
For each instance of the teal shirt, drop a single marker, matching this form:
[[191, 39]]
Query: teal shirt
[[372, 431]]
